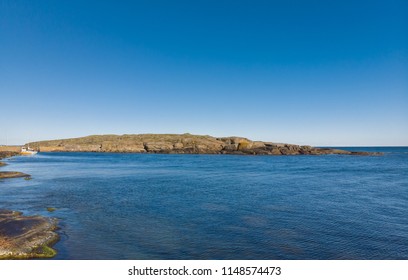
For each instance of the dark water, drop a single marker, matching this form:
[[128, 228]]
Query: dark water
[[138, 206]]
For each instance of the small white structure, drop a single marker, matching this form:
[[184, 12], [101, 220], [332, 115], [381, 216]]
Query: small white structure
[[27, 151]]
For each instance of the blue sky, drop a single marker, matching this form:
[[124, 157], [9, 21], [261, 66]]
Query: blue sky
[[303, 72]]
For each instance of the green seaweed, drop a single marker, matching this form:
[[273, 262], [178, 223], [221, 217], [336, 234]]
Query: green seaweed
[[44, 252]]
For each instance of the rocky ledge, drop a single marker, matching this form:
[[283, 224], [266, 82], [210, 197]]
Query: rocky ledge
[[13, 174], [6, 154], [180, 144], [10, 174], [26, 237]]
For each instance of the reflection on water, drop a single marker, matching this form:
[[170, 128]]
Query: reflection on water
[[135, 206]]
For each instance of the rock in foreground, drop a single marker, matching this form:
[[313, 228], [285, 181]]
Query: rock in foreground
[[26, 237], [179, 144]]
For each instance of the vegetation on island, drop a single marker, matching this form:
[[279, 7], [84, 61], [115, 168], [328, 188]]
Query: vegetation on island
[[179, 144]]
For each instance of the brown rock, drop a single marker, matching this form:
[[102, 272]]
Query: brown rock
[[12, 174], [23, 237], [180, 143]]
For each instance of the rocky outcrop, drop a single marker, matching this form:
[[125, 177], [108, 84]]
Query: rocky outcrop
[[13, 174], [10, 174], [6, 154], [180, 144], [24, 237]]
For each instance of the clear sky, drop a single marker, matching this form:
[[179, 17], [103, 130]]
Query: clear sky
[[303, 72]]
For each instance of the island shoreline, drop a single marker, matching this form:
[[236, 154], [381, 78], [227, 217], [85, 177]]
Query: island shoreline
[[182, 144]]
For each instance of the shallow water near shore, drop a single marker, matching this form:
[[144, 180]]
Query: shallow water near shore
[[151, 206]]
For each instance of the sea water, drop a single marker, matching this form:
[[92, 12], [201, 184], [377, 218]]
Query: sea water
[[155, 206]]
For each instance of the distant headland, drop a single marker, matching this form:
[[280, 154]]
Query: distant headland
[[179, 144]]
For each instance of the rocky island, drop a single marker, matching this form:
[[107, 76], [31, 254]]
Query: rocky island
[[179, 144]]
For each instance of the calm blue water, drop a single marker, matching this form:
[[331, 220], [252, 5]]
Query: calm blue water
[[146, 206]]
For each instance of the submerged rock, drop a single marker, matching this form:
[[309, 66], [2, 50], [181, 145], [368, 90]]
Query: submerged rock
[[26, 237], [51, 209]]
